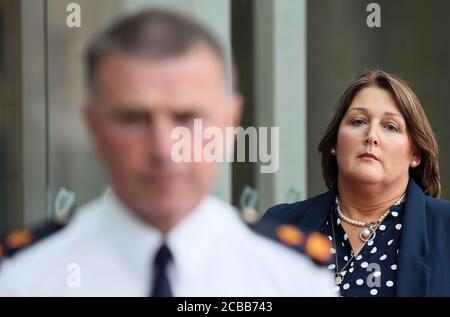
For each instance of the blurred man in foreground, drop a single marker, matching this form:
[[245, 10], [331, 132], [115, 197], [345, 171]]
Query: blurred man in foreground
[[158, 232]]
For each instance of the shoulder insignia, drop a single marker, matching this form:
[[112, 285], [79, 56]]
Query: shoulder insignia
[[312, 244], [318, 247], [289, 235], [20, 239]]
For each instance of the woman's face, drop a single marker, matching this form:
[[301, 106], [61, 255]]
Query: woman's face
[[373, 145]]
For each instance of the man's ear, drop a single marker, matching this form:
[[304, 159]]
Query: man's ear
[[236, 104], [89, 116]]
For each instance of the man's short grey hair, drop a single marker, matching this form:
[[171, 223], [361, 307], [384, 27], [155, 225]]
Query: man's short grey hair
[[155, 34]]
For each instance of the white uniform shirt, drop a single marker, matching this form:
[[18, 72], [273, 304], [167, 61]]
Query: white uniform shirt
[[107, 251]]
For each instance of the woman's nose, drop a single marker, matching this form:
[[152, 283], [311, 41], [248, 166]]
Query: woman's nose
[[369, 140], [371, 137]]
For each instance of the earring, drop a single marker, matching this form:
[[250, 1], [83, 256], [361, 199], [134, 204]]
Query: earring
[[414, 163], [333, 151]]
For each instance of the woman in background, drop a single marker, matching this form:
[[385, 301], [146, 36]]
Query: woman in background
[[390, 233]]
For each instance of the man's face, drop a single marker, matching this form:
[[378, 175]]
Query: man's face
[[139, 101]]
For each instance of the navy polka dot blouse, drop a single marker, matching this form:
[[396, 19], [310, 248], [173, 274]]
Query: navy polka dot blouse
[[373, 271]]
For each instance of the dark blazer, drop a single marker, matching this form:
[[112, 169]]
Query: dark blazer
[[424, 253]]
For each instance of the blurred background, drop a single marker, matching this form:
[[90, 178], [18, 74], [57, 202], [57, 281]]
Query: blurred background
[[294, 58]]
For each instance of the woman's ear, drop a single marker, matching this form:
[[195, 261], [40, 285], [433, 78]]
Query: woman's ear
[[415, 159]]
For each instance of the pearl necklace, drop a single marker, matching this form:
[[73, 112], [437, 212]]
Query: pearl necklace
[[369, 231]]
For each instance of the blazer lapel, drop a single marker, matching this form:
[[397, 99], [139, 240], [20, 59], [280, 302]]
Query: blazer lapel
[[413, 274], [318, 211]]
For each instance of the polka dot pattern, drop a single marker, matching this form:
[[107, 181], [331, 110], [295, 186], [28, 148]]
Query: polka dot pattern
[[373, 270]]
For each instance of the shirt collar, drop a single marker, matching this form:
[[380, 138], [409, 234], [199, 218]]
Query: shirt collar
[[203, 231], [135, 241], [190, 241]]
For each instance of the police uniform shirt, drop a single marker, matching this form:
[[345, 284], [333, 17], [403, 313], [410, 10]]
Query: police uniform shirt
[[107, 251]]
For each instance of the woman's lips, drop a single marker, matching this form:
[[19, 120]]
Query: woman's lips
[[368, 156]]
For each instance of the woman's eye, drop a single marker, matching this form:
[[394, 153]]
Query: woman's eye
[[358, 122], [391, 127]]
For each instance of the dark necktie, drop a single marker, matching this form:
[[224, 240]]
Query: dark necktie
[[161, 285]]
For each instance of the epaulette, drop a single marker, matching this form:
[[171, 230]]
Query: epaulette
[[21, 239], [312, 244]]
